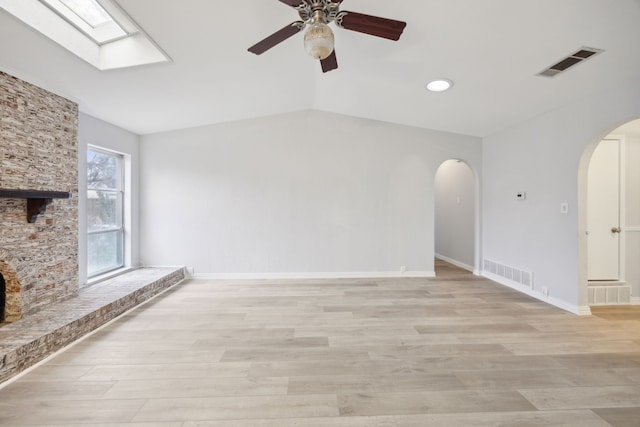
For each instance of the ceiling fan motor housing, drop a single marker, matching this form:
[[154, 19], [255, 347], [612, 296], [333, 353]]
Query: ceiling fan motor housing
[[311, 11]]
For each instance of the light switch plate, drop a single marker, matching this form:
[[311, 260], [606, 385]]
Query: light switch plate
[[564, 208]]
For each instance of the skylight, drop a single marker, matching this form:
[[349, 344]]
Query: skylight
[[98, 31], [90, 18], [89, 10]]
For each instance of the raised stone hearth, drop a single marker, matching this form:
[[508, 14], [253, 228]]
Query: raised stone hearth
[[31, 339]]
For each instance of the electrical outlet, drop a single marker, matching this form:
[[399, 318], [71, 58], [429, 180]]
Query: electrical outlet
[[564, 208], [403, 269], [521, 195]]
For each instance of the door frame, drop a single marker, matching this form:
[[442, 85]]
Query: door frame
[[621, 202], [583, 169]]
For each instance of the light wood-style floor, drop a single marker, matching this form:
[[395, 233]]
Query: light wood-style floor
[[457, 350]]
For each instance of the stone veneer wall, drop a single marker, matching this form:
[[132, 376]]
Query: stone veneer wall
[[38, 151]]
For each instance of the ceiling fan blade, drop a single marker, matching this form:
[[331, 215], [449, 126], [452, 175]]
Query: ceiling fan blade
[[292, 3], [277, 37], [330, 62], [372, 25]]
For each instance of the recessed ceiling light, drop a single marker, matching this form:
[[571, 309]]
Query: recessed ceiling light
[[439, 85]]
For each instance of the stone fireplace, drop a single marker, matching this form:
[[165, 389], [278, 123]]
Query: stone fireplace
[[38, 151]]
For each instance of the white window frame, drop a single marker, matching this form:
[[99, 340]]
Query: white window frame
[[121, 189]]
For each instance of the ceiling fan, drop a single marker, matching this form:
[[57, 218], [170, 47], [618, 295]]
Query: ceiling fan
[[318, 39]]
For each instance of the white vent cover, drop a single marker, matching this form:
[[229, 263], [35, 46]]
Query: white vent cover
[[570, 61], [511, 273], [610, 295]]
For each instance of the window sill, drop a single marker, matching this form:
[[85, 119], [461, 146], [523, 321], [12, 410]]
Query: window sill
[[106, 276]]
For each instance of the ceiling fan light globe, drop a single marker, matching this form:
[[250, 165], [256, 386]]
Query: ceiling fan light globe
[[319, 40]]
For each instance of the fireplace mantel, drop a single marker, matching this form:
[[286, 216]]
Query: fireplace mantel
[[37, 200]]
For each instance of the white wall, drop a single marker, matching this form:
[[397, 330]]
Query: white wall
[[544, 158], [92, 131], [302, 194], [455, 207]]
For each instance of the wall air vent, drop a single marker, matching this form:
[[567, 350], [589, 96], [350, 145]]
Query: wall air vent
[[570, 61], [522, 277]]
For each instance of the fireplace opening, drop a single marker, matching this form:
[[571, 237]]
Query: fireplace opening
[[3, 297]]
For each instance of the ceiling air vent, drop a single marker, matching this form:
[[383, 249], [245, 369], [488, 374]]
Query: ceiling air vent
[[570, 61]]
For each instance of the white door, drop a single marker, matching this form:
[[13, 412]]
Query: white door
[[603, 211]]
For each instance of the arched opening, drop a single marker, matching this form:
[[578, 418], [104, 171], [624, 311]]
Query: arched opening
[[456, 215], [609, 218]]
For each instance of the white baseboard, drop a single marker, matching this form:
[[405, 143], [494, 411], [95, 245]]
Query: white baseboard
[[571, 308], [454, 262], [635, 300], [584, 310], [328, 275]]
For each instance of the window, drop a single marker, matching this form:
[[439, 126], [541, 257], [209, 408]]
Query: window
[[90, 18], [89, 10], [105, 198]]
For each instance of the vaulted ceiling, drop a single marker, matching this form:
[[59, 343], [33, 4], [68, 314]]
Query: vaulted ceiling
[[491, 49]]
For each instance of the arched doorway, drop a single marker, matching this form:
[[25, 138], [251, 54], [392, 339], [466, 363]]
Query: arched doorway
[[609, 218], [456, 215]]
